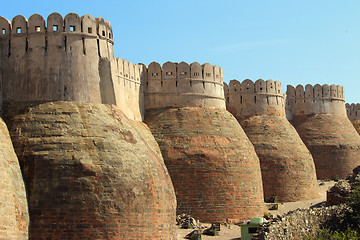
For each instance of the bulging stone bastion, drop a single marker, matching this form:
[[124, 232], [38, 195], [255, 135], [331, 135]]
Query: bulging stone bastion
[[318, 113], [212, 164], [287, 166], [14, 216], [90, 172]]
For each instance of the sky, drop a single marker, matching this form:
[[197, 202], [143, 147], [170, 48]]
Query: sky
[[291, 41]]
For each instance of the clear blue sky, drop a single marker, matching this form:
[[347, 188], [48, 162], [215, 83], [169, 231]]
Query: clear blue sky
[[292, 41]]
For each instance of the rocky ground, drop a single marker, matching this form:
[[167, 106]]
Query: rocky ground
[[232, 232]]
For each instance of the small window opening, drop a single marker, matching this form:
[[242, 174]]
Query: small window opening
[[147, 84], [190, 84], [162, 83], [18, 30], [217, 76], [3, 31], [155, 74], [278, 91], [37, 29], [103, 33], [183, 73], [168, 73], [72, 28], [247, 84], [255, 99], [109, 35], [234, 89], [55, 28], [196, 74], [240, 99], [126, 75], [176, 82], [261, 89], [89, 30], [208, 74]]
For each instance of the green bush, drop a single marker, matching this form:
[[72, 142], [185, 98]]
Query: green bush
[[326, 234]]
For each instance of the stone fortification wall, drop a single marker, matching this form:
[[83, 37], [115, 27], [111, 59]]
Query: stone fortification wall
[[14, 216], [287, 167], [315, 99], [319, 116], [353, 111], [57, 60], [248, 98], [212, 164], [91, 173], [128, 81], [184, 85]]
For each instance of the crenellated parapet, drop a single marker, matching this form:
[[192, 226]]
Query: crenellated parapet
[[248, 98], [128, 81], [57, 59], [353, 111], [184, 85], [315, 99]]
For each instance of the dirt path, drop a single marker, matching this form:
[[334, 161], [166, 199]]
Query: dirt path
[[233, 232]]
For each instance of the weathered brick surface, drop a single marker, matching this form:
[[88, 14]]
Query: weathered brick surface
[[14, 216], [332, 141], [90, 174], [213, 165], [287, 167], [356, 124]]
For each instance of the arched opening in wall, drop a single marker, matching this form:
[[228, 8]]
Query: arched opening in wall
[[254, 99], [203, 84]]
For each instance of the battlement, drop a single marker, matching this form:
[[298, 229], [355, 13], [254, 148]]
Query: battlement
[[54, 60], [315, 99], [248, 98], [128, 80], [353, 111], [184, 85]]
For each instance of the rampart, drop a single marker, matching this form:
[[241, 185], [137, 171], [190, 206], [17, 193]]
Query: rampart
[[59, 60], [128, 80], [184, 85], [248, 98], [315, 99], [353, 111]]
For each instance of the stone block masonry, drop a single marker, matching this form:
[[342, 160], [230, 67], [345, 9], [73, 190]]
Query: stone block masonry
[[287, 167], [212, 164], [319, 116], [90, 174], [14, 216]]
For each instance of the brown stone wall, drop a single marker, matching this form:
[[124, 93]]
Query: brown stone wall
[[14, 216], [90, 174], [213, 165], [356, 124], [332, 141], [287, 167]]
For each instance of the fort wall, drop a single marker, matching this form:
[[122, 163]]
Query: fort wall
[[248, 98], [128, 81], [315, 99], [353, 111], [184, 85], [57, 60]]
